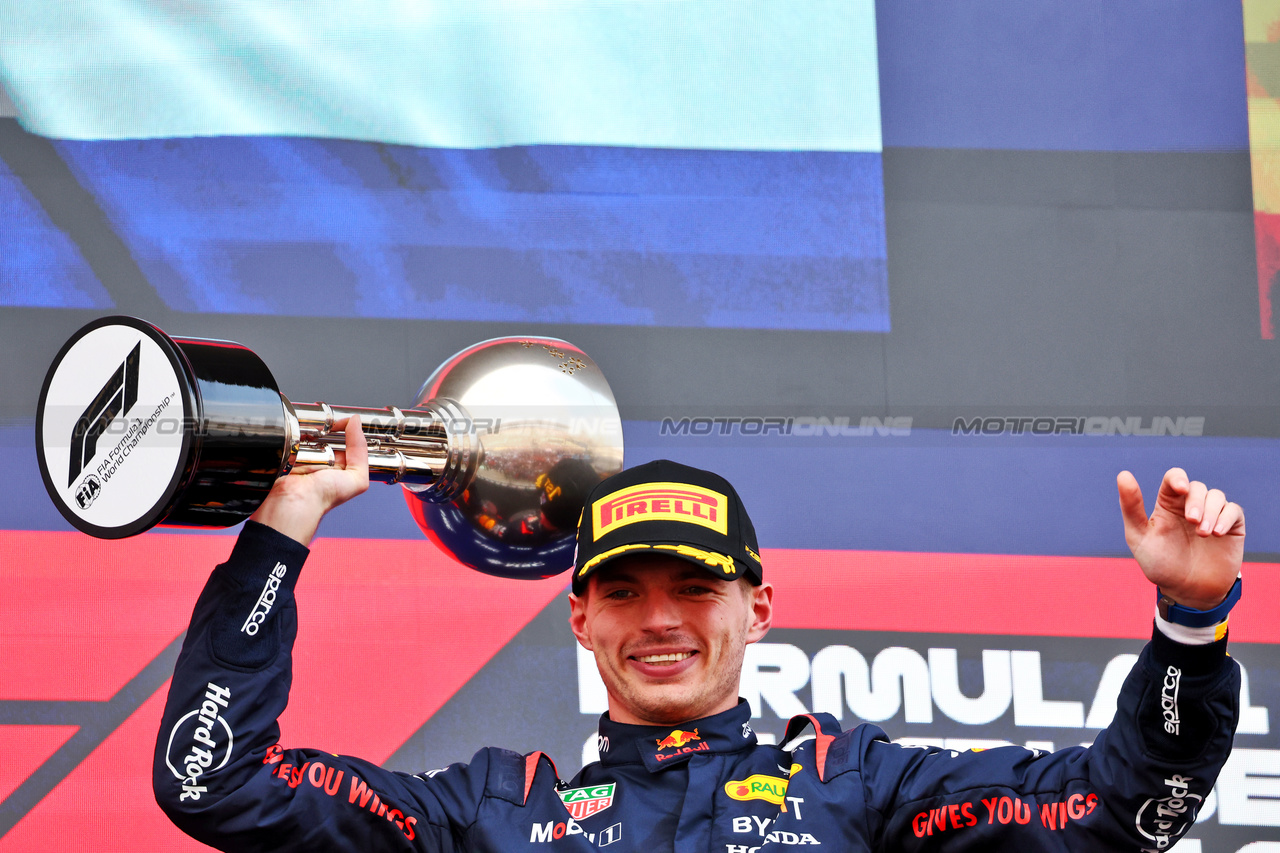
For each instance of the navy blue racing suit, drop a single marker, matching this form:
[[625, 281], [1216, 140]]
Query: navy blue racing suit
[[708, 785]]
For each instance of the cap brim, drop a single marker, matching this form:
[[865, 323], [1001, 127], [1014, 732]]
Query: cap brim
[[717, 564]]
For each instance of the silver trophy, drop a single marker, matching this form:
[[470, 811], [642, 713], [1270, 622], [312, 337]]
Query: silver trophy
[[136, 428]]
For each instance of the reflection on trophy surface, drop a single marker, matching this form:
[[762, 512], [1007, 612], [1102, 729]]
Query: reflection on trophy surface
[[137, 428]]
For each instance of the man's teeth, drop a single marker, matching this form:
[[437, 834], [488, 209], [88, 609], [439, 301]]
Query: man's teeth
[[676, 657]]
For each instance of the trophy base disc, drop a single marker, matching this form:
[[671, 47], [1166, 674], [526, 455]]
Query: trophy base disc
[[135, 428]]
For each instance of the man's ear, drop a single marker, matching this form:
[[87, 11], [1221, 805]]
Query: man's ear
[[578, 620], [761, 611]]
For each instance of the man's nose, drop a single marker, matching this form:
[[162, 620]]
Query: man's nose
[[661, 612]]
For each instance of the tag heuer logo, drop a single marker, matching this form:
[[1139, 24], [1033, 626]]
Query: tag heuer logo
[[584, 802]]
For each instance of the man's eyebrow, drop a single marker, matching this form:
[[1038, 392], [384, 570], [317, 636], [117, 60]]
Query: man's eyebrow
[[695, 573], [617, 576], [613, 575]]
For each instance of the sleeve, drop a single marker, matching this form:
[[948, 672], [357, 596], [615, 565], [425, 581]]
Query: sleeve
[[1137, 788], [219, 773]]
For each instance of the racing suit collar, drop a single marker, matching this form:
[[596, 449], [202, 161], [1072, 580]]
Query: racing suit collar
[[660, 747]]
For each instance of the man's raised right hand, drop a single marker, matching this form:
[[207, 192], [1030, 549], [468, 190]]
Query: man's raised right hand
[[298, 502]]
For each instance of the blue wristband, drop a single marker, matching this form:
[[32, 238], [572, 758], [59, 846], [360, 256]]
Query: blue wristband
[[1173, 612]]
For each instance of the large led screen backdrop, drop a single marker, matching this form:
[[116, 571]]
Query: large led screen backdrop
[[623, 163], [919, 277]]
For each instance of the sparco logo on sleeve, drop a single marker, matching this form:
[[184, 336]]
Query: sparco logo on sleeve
[[1164, 820], [202, 739], [116, 398], [266, 598], [1169, 699]]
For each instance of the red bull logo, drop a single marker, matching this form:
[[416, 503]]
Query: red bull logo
[[661, 502], [677, 739]]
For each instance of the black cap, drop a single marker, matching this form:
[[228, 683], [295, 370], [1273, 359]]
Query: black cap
[[664, 507]]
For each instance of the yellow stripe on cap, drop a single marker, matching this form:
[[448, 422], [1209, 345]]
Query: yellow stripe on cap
[[719, 561], [621, 549]]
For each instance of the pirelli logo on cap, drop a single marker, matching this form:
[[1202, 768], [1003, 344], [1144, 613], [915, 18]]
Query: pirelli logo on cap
[[661, 502]]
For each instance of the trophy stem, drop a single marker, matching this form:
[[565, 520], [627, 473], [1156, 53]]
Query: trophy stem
[[316, 422], [409, 446]]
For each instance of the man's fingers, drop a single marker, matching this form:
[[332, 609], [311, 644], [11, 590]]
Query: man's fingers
[[1132, 509], [349, 475], [1173, 491], [1214, 501], [354, 452], [1230, 520], [356, 460], [1193, 507], [357, 452]]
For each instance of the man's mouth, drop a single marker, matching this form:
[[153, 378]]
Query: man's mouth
[[664, 659]]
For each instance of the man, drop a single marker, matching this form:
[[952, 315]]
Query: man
[[668, 589]]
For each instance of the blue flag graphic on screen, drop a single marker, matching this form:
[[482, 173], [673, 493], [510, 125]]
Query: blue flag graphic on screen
[[500, 161]]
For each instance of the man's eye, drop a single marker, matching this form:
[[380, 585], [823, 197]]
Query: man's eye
[[618, 594]]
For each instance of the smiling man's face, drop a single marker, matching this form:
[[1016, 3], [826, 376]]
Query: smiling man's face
[[668, 637]]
